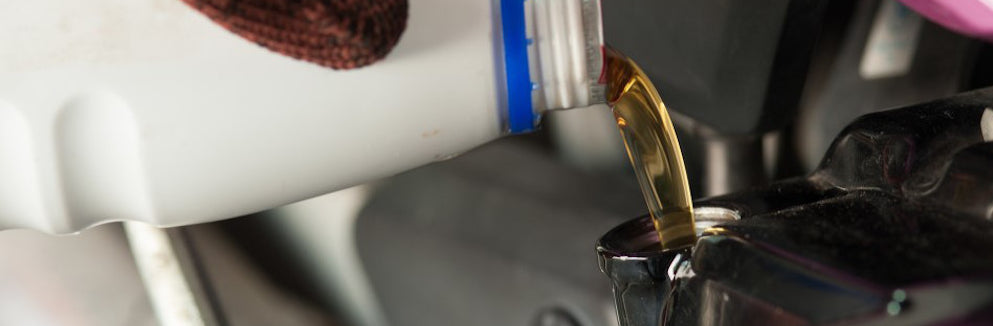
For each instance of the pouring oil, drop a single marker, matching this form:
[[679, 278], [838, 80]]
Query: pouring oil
[[653, 150]]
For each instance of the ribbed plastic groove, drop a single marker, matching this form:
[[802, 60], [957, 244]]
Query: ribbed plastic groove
[[87, 173], [567, 43], [100, 165], [21, 204]]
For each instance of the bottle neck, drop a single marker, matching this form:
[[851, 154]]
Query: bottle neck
[[553, 56], [568, 47]]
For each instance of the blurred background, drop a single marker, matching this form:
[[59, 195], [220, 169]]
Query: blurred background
[[504, 234]]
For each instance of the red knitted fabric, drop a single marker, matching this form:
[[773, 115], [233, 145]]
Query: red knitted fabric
[[340, 34]]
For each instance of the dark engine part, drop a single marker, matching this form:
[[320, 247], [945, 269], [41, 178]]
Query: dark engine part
[[729, 71], [893, 228], [738, 67]]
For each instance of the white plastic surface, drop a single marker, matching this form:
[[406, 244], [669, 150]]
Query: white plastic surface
[[146, 110]]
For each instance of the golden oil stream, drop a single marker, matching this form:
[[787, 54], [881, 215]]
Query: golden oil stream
[[653, 150]]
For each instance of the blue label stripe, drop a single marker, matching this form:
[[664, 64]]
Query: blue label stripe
[[520, 113]]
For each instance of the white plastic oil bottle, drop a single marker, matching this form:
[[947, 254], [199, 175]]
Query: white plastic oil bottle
[[146, 110]]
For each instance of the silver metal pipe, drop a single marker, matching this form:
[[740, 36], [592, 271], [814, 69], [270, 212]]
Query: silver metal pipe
[[174, 283]]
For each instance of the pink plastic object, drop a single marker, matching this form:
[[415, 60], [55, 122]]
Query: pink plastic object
[[970, 17]]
